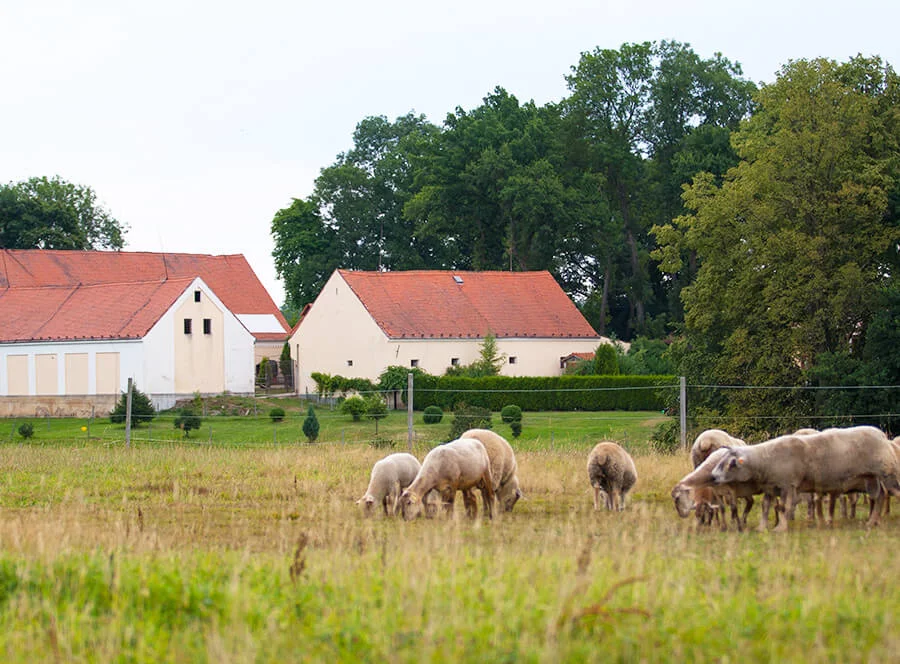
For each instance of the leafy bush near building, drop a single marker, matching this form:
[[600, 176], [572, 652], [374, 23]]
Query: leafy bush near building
[[432, 415], [142, 409]]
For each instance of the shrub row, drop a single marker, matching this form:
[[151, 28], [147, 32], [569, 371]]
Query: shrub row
[[545, 392]]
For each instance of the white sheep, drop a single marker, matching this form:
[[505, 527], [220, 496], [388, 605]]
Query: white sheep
[[460, 465], [611, 470], [389, 477], [698, 492], [709, 441], [831, 461], [503, 466]]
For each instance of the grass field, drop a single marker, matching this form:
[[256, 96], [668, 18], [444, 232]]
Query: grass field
[[191, 552]]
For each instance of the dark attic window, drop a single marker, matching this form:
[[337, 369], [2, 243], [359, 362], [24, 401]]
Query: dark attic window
[[413, 363], [207, 326], [187, 325], [196, 296]]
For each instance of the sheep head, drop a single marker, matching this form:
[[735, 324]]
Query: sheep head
[[410, 505], [684, 500], [732, 468], [368, 504]]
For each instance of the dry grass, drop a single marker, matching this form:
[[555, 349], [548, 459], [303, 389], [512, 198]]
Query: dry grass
[[196, 553]]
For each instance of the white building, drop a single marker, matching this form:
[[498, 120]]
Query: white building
[[363, 322]]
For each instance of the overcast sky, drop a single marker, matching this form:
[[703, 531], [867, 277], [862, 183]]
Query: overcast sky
[[194, 121]]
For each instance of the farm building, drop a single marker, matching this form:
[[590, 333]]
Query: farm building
[[75, 325], [363, 322]]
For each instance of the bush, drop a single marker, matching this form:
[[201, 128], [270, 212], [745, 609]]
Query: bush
[[141, 408], [606, 361], [354, 406], [516, 426], [311, 426], [187, 419], [432, 415], [277, 414], [511, 413], [469, 417], [666, 437], [382, 442], [26, 430]]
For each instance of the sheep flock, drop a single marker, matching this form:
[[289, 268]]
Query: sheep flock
[[807, 466]]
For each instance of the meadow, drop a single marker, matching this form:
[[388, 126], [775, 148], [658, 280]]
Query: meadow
[[186, 551]]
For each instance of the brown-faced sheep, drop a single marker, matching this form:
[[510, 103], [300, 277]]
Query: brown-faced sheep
[[389, 477], [834, 460], [503, 466], [708, 442], [697, 492], [611, 470], [460, 465]]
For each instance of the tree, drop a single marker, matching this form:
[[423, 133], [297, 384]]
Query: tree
[[311, 426], [354, 406], [796, 241], [42, 213], [142, 409], [187, 419], [605, 361], [376, 409], [286, 364]]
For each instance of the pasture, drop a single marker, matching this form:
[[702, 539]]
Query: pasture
[[188, 552]]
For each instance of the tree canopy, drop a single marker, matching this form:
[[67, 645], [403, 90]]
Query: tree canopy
[[42, 213]]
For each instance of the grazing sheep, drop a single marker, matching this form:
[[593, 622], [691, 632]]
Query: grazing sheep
[[813, 502], [503, 466], [708, 442], [611, 470], [834, 460], [697, 492], [389, 477], [460, 465]]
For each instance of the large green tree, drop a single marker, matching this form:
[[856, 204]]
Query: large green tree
[[796, 244], [42, 213]]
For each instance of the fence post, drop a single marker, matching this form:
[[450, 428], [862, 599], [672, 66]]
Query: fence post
[[682, 408], [409, 411], [128, 414]]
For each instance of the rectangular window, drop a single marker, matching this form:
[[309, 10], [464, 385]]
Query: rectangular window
[[454, 361], [187, 325], [196, 296], [207, 326], [349, 363], [512, 359], [413, 363]]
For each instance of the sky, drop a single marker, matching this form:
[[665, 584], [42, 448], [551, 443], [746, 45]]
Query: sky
[[195, 121]]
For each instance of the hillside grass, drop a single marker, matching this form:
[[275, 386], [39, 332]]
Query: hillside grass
[[184, 553]]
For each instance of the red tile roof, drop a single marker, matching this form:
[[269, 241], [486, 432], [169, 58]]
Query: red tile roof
[[52, 295], [451, 304]]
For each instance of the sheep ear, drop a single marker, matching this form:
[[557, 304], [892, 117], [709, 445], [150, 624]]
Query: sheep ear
[[412, 499]]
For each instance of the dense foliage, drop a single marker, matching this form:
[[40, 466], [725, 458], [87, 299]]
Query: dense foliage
[[142, 409]]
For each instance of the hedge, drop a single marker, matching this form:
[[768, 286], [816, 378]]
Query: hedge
[[545, 392]]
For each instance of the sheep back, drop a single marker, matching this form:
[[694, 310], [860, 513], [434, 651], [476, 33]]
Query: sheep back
[[709, 441], [611, 470]]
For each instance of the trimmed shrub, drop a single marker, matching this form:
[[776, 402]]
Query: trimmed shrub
[[141, 408], [516, 427], [606, 362], [26, 430], [277, 414], [469, 417], [432, 415], [511, 413], [187, 419], [355, 407], [311, 426]]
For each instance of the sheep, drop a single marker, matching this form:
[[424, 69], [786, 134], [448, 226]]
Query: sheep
[[835, 460], [460, 465], [697, 492], [708, 442], [389, 477], [611, 470], [503, 466]]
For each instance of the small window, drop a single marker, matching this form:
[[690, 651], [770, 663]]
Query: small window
[[349, 363], [512, 359], [207, 326], [454, 361], [187, 325], [413, 363], [196, 296]]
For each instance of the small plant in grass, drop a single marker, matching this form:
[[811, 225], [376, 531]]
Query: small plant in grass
[[142, 409], [516, 427], [382, 442], [277, 414], [666, 437], [26, 430], [355, 407], [187, 419], [311, 426], [432, 415], [376, 409], [511, 413]]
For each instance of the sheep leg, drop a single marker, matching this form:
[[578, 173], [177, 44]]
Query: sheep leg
[[876, 495], [764, 513], [470, 503], [488, 496], [448, 495], [811, 507], [832, 502], [844, 510], [748, 505], [596, 498], [616, 500], [853, 499]]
